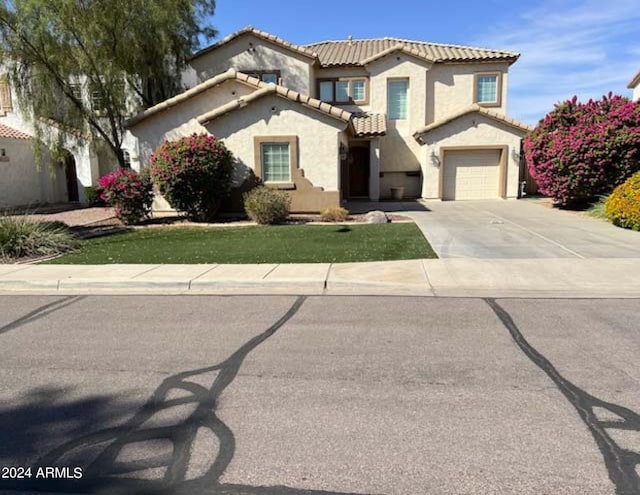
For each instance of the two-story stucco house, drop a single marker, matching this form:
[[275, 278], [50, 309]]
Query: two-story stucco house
[[634, 84], [338, 120]]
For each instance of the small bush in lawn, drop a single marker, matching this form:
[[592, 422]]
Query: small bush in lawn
[[623, 206], [194, 174], [334, 214], [267, 206], [20, 237], [129, 193], [582, 150], [92, 196]]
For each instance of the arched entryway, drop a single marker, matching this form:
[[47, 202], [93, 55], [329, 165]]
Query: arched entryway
[[71, 177]]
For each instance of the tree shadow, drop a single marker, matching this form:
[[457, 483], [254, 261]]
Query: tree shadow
[[149, 453], [622, 464]]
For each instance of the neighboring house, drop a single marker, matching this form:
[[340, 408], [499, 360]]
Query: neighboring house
[[28, 181], [635, 86], [348, 119]]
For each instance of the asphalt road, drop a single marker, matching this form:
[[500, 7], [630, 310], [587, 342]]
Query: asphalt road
[[323, 395]]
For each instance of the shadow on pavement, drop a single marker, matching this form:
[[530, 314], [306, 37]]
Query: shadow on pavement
[[153, 451], [359, 207], [621, 463]]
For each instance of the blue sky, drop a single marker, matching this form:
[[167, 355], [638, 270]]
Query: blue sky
[[583, 47]]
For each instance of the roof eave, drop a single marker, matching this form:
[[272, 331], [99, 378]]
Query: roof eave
[[259, 34], [634, 82], [475, 108]]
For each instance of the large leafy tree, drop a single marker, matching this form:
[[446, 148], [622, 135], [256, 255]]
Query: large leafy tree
[[88, 64]]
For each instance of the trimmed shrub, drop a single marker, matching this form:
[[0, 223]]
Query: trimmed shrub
[[194, 174], [20, 237], [582, 150], [267, 206], [92, 196], [623, 206], [334, 214], [129, 193]]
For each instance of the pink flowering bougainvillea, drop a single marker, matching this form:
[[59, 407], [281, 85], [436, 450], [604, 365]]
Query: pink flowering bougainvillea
[[582, 150], [129, 193], [193, 174]]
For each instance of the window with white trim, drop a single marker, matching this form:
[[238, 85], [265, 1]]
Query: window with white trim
[[398, 99], [276, 162], [487, 88]]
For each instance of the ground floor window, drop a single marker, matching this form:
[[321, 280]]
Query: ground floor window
[[275, 158], [276, 162]]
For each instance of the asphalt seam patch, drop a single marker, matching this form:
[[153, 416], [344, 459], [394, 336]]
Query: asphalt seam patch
[[620, 463]]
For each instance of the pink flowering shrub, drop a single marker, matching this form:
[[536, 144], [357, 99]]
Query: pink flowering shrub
[[129, 193], [582, 150], [193, 174]]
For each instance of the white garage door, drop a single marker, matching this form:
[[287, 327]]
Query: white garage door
[[473, 174]]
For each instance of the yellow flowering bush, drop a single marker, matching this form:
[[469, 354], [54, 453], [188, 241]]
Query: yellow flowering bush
[[623, 205]]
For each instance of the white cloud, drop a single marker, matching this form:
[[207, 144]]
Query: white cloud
[[584, 47]]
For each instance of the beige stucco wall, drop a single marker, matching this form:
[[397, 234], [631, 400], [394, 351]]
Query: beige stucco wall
[[636, 93], [451, 88], [318, 136], [23, 182], [250, 52], [399, 152], [470, 130], [179, 121], [435, 92]]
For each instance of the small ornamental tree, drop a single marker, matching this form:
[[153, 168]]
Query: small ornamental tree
[[194, 174], [582, 150], [129, 193]]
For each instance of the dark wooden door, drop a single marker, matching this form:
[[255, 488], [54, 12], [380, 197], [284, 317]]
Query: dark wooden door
[[359, 172], [72, 179]]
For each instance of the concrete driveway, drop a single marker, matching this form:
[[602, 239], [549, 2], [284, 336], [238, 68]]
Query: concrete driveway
[[519, 229]]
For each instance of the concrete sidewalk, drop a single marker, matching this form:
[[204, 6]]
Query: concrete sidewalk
[[613, 278]]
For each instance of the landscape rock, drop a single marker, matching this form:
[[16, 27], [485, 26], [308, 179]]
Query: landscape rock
[[376, 216]]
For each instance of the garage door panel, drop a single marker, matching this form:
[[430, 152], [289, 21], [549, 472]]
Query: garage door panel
[[471, 174]]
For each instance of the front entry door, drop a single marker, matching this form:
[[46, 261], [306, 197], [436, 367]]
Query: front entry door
[[71, 178], [359, 172]]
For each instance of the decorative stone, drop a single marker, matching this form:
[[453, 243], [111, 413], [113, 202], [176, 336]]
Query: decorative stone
[[376, 216]]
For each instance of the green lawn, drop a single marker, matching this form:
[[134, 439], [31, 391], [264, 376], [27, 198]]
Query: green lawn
[[274, 244]]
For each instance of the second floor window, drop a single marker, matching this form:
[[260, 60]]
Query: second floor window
[[487, 89], [398, 99], [267, 76], [352, 90]]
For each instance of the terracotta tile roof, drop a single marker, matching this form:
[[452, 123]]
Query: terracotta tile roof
[[260, 34], [635, 81], [369, 124], [270, 88], [10, 132], [359, 52], [249, 81], [475, 108]]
